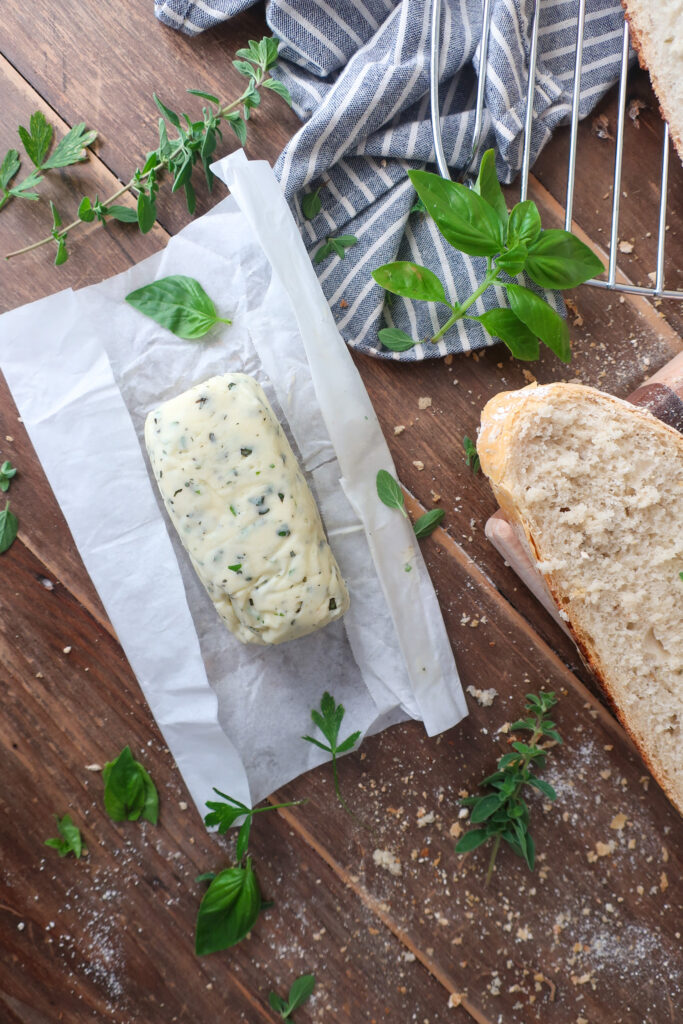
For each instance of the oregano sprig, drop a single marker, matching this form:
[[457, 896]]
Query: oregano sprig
[[502, 812], [476, 222], [184, 141], [338, 245]]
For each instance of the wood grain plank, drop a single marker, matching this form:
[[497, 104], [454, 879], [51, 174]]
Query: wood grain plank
[[594, 933], [114, 931], [110, 81], [100, 251]]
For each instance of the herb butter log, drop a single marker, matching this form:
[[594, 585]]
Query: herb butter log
[[237, 497]]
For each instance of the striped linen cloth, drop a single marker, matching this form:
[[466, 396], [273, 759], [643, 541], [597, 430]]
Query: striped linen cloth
[[358, 72]]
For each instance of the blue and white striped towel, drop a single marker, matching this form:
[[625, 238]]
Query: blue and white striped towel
[[358, 72]]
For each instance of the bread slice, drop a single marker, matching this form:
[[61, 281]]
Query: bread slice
[[657, 36], [594, 487]]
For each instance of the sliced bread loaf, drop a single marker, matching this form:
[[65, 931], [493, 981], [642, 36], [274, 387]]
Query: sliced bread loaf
[[594, 487], [657, 35]]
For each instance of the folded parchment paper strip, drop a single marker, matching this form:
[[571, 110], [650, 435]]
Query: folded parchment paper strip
[[85, 368]]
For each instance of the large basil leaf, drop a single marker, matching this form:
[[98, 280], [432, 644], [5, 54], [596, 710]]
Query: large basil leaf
[[178, 303], [228, 910], [465, 220], [488, 187], [524, 224], [541, 320], [410, 280], [506, 325], [558, 259], [512, 261]]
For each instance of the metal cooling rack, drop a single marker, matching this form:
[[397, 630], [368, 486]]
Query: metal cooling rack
[[611, 283]]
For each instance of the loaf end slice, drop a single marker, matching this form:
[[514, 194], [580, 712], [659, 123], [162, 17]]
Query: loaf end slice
[[594, 486]]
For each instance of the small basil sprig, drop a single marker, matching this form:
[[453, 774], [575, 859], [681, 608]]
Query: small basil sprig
[[179, 304], [9, 527], [224, 813], [339, 245], [69, 839], [390, 494], [300, 992], [476, 222], [7, 472], [129, 793], [228, 910]]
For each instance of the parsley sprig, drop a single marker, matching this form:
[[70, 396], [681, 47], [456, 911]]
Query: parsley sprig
[[224, 813], [502, 811], [476, 221], [329, 720], [300, 992], [184, 141]]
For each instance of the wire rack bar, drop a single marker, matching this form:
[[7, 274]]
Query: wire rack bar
[[611, 284]]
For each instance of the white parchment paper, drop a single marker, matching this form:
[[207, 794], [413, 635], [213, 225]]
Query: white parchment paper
[[85, 368]]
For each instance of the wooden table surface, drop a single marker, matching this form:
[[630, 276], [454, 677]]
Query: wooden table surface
[[594, 935]]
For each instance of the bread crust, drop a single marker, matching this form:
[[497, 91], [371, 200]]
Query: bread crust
[[638, 37], [495, 447]]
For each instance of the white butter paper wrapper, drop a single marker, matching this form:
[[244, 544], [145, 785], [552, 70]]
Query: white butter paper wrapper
[[85, 369]]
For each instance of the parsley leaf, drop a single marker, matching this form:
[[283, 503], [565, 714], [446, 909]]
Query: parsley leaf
[[329, 720]]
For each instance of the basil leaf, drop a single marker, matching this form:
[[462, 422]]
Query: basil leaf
[[179, 304], [37, 140], [123, 213], [300, 992], [71, 149], [428, 522], [129, 792], [558, 259], [488, 187], [389, 492], [512, 261], [70, 841], [410, 280], [7, 472], [524, 224], [146, 213], [124, 787], [311, 205], [506, 325], [228, 910], [541, 320], [277, 1003], [397, 341], [465, 220]]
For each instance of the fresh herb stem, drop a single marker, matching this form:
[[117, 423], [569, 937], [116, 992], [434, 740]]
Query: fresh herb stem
[[492, 860], [459, 309], [132, 185]]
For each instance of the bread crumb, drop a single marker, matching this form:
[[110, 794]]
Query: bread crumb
[[606, 774], [343, 304], [387, 860], [663, 882], [399, 429], [483, 697], [455, 830], [604, 849], [455, 999], [436, 498], [424, 403], [419, 464], [618, 822], [528, 376], [425, 818], [524, 934], [448, 359], [626, 247], [66, 650]]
